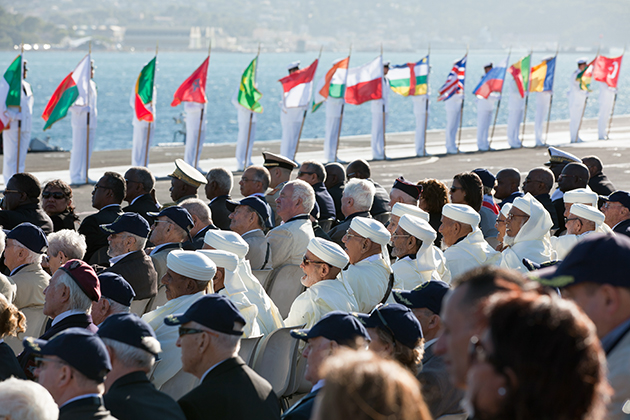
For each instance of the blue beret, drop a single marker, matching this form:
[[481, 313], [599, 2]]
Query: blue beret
[[178, 215], [128, 222], [128, 329], [427, 295], [116, 288], [337, 326], [212, 311], [396, 319], [30, 236], [256, 203]]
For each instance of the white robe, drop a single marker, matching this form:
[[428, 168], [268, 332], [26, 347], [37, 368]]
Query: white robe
[[577, 103], [368, 280], [516, 108], [318, 300], [291, 121], [245, 119], [139, 149], [420, 112], [473, 251], [235, 290], [80, 155], [269, 318], [543, 102], [380, 110], [193, 149], [453, 108], [333, 128], [429, 265], [10, 135], [606, 99]]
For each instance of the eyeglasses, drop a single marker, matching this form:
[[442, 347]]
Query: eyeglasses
[[5, 192], [608, 204], [155, 222], [186, 331], [306, 261], [478, 353], [96, 187], [39, 361], [453, 189], [384, 322], [352, 235], [248, 180], [56, 195], [567, 219], [511, 216], [300, 173], [400, 236]]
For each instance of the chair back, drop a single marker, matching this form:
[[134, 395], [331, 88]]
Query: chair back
[[277, 359]]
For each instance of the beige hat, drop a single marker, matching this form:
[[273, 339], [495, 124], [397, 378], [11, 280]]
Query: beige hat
[[581, 195], [370, 229], [418, 227], [329, 252], [191, 264], [588, 213], [401, 209], [462, 213], [227, 241]]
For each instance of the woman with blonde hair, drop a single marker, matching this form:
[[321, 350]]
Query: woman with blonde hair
[[12, 322]]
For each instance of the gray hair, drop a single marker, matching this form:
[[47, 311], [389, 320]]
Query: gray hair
[[26, 400], [197, 208], [227, 342], [302, 190], [68, 241], [261, 174], [117, 308], [3, 240], [140, 241], [145, 177], [318, 168], [223, 178], [362, 192], [133, 357], [79, 301], [31, 257]]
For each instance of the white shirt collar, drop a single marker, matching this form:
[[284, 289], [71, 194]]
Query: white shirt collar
[[114, 260], [158, 247], [428, 343], [109, 205], [208, 371], [319, 384], [374, 257], [15, 270], [66, 314], [80, 397], [253, 230]]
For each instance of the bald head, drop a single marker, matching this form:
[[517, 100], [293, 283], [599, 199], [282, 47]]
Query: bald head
[[358, 169], [574, 175], [508, 180], [335, 174], [538, 181]]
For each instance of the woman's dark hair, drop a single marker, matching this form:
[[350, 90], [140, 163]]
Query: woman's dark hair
[[65, 189], [434, 194], [473, 189]]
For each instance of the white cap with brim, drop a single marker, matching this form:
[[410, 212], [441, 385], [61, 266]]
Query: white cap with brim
[[191, 264], [229, 262], [370, 229], [560, 156], [588, 213], [400, 209], [328, 252], [293, 65], [227, 241], [462, 213], [581, 195], [505, 210], [582, 60]]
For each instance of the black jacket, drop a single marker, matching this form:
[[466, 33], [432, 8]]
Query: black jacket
[[64, 220], [9, 365], [85, 408], [95, 238], [197, 241], [381, 200], [340, 230], [558, 204], [143, 205], [623, 228], [220, 212], [302, 409], [137, 268], [545, 200], [325, 202], [32, 213], [601, 185], [336, 192]]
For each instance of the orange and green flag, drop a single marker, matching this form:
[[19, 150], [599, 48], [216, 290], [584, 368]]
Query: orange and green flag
[[248, 95], [520, 71]]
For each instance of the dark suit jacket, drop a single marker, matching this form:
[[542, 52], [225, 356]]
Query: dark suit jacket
[[340, 230], [558, 204], [231, 391], [302, 409], [197, 241], [439, 393], [143, 205], [336, 192], [623, 228], [435, 220], [32, 213], [381, 200], [325, 202], [545, 200], [134, 397], [64, 220], [601, 185], [9, 365], [511, 198], [85, 408], [97, 239], [137, 268], [220, 212]]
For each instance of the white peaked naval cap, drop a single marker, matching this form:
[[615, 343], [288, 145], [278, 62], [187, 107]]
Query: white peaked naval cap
[[400, 209], [329, 252], [462, 213], [417, 227], [505, 210], [227, 241], [370, 229], [293, 65], [581, 195], [191, 264], [222, 259], [588, 213]]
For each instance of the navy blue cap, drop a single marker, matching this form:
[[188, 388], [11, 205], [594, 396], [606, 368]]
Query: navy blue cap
[[342, 327], [30, 236], [427, 295], [408, 187], [601, 258], [487, 178], [128, 222], [115, 287], [621, 197], [129, 329], [79, 348], [396, 319], [255, 202], [178, 215], [212, 311]]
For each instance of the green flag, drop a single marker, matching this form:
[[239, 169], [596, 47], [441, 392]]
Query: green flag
[[248, 95], [13, 78]]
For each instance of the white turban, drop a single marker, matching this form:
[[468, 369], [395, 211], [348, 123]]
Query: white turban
[[523, 204], [226, 240], [401, 209], [505, 210], [588, 213], [418, 228], [229, 262], [370, 229], [329, 252], [581, 195], [191, 264], [462, 213]]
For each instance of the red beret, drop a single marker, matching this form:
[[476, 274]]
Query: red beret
[[85, 277]]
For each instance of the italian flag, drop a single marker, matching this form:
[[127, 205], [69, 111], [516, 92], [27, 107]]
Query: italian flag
[[333, 83], [144, 92], [365, 83], [194, 88], [410, 79], [72, 90], [10, 92], [520, 72], [248, 94], [298, 86]]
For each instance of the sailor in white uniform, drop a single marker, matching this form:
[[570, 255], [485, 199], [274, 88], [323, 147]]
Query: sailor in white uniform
[[194, 147], [82, 115], [291, 121], [606, 100], [246, 134], [420, 111], [141, 133], [485, 111], [516, 108], [577, 102], [380, 110], [453, 108]]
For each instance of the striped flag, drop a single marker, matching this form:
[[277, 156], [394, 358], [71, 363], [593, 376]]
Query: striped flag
[[365, 83], [333, 84], [144, 92], [455, 80], [585, 77], [409, 79], [520, 73], [492, 81], [541, 78], [298, 86]]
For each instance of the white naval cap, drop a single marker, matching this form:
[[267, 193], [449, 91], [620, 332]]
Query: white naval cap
[[370, 229], [386, 63], [588, 213], [581, 195], [560, 156], [400, 209], [222, 259], [186, 173], [418, 228], [191, 264], [227, 241], [328, 252], [293, 65], [462, 213], [582, 60], [505, 210]]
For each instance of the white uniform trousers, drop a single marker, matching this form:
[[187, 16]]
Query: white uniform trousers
[[379, 109], [291, 121], [10, 150], [577, 102], [543, 101], [193, 149], [333, 127], [485, 112], [139, 149], [516, 107], [244, 153], [606, 99], [420, 112], [453, 107]]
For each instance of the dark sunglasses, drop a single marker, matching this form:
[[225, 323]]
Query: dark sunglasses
[[306, 261], [185, 331], [55, 195], [304, 173]]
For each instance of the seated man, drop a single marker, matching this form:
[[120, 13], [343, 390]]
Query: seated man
[[188, 277], [255, 182], [140, 190], [72, 366], [247, 218], [133, 348], [617, 211], [581, 221], [314, 173], [116, 297], [210, 331], [597, 181], [335, 179], [185, 181], [573, 176], [127, 239], [399, 210], [218, 187], [581, 196], [289, 240], [280, 169], [26, 400], [63, 246], [508, 181], [357, 199], [21, 203], [369, 275], [202, 222], [417, 259], [404, 192], [538, 183], [526, 234], [466, 246], [322, 264], [380, 207]]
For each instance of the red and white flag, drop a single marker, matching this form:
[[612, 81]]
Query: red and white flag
[[365, 83], [194, 88], [298, 87], [607, 70]]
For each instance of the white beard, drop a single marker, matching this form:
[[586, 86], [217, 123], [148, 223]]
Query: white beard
[[509, 240]]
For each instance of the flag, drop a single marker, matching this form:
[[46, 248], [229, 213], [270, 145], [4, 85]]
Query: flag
[[194, 88], [541, 77], [365, 83], [298, 86], [332, 84], [144, 92], [607, 70], [520, 73], [585, 76], [454, 81], [248, 95], [73, 90], [410, 78], [492, 81], [10, 90]]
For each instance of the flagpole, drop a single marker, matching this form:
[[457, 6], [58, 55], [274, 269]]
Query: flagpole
[[551, 97], [426, 105], [612, 111], [342, 105], [89, 88], [577, 134], [496, 114], [17, 170], [526, 93], [251, 115], [383, 99], [297, 145], [146, 150], [461, 111], [203, 108]]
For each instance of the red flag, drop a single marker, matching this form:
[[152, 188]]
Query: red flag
[[194, 88], [607, 70]]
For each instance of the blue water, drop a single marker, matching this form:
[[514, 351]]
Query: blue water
[[117, 72]]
